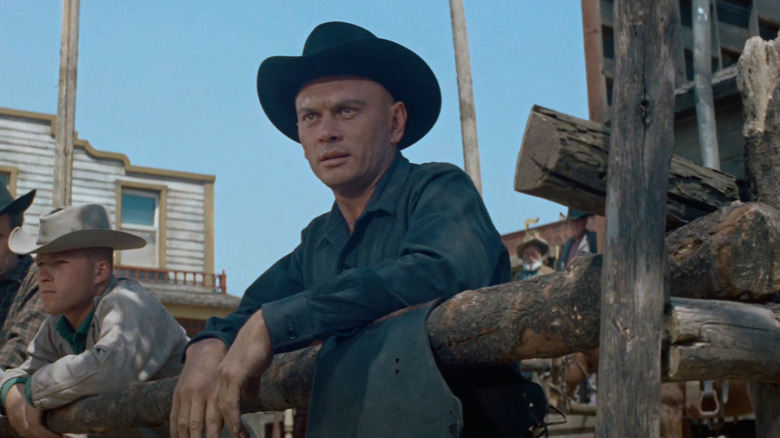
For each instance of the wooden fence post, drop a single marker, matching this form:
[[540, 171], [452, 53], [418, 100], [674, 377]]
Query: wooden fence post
[[633, 289], [759, 83], [66, 105]]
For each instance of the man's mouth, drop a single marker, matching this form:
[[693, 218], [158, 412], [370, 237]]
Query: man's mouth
[[334, 158]]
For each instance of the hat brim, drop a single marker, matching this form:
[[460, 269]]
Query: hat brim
[[544, 248], [405, 75], [19, 204], [22, 243]]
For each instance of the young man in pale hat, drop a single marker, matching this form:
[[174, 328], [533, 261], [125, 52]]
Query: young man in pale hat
[[398, 234], [102, 334], [532, 251], [21, 311]]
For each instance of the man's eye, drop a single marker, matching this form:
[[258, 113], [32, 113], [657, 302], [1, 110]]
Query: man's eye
[[347, 110], [308, 117]]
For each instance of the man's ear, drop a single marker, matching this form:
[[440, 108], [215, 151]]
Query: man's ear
[[102, 271], [397, 122]]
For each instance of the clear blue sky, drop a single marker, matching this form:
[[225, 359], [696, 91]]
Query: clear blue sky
[[172, 85]]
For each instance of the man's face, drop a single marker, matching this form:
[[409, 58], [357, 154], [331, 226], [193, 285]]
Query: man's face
[[7, 258], [349, 128], [531, 254], [578, 226], [67, 283]]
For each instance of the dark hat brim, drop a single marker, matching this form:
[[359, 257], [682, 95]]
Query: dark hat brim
[[404, 74], [22, 243], [19, 204]]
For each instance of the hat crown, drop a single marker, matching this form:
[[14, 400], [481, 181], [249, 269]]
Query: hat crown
[[331, 34], [64, 220]]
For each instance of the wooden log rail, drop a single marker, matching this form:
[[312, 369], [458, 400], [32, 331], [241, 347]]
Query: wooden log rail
[[564, 159], [545, 317]]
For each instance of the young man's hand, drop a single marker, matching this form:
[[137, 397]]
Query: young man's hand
[[23, 417], [193, 399]]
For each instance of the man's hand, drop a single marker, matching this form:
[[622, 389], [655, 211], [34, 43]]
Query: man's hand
[[195, 391], [248, 358], [24, 418]]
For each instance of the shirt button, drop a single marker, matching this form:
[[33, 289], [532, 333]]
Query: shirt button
[[291, 332]]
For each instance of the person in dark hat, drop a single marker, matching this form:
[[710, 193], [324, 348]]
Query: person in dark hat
[[21, 311], [582, 239], [398, 233]]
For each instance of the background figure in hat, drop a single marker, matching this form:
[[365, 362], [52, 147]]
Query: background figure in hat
[[582, 239], [398, 234], [533, 251], [102, 333], [21, 311]]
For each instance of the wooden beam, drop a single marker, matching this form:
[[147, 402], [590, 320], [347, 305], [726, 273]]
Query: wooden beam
[[565, 160], [758, 80], [640, 152], [721, 339], [732, 254]]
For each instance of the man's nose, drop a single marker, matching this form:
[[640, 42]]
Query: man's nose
[[330, 131]]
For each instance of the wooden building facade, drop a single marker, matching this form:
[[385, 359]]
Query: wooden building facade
[[172, 210]]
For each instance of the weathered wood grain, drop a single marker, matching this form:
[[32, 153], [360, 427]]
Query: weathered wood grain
[[565, 160], [722, 340], [640, 152], [758, 79]]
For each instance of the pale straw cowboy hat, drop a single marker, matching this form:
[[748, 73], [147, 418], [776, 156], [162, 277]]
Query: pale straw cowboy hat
[[67, 228], [540, 243], [9, 205]]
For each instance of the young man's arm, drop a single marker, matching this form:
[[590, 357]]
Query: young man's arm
[[24, 418], [137, 340]]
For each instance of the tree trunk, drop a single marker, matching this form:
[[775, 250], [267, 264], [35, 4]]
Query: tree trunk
[[633, 275], [759, 82], [564, 159]]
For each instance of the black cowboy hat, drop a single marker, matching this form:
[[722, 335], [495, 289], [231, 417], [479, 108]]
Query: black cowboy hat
[[337, 48], [9, 205]]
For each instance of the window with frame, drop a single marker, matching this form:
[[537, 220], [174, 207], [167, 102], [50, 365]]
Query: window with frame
[[140, 215], [5, 177]]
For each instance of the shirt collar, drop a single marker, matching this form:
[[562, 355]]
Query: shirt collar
[[77, 339], [384, 199]]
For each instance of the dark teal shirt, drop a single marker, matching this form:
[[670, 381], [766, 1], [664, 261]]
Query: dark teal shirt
[[425, 234]]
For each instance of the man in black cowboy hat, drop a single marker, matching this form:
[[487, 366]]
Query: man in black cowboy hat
[[398, 233], [21, 311], [582, 239]]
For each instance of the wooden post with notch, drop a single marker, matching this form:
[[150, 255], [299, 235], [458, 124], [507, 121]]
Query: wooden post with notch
[[633, 289]]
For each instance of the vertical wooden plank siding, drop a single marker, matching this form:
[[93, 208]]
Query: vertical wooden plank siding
[[633, 289]]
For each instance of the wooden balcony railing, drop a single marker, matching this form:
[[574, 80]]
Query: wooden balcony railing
[[172, 276]]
